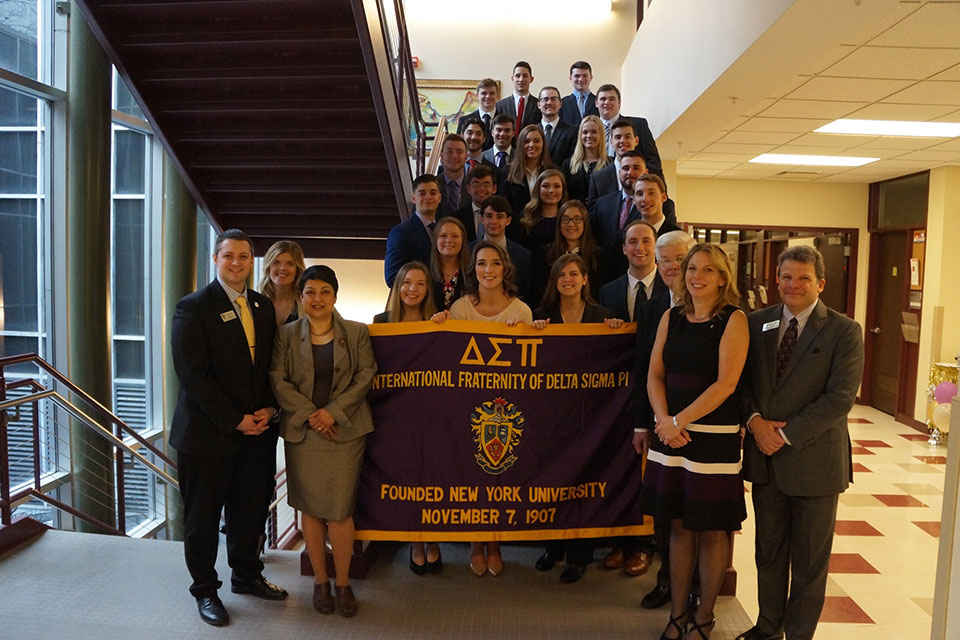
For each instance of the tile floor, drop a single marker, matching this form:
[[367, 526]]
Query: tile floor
[[884, 559]]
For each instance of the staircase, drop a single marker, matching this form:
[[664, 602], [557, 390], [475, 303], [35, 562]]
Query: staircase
[[290, 119]]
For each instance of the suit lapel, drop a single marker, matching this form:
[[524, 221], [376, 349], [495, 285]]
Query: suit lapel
[[306, 348], [339, 345], [814, 324], [233, 329], [769, 341]]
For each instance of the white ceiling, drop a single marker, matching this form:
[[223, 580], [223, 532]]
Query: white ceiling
[[889, 61]]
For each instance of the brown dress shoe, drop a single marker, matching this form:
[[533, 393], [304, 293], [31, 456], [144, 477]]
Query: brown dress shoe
[[637, 563], [323, 598], [346, 603], [614, 559]]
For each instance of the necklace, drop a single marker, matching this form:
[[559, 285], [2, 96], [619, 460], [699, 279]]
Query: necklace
[[320, 335], [697, 318]]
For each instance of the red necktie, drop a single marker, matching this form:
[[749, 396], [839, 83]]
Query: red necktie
[[516, 129]]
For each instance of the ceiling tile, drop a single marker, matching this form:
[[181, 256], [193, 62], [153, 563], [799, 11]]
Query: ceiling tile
[[853, 89], [758, 107], [723, 157], [702, 164], [950, 145], [887, 111], [758, 137], [928, 92], [791, 125], [843, 177], [932, 25], [902, 166], [953, 73], [811, 150], [830, 140], [684, 171], [930, 155], [725, 147], [894, 62], [950, 117], [744, 174], [893, 142], [733, 124], [811, 109]]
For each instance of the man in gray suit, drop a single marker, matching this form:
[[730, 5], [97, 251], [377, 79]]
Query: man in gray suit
[[801, 379]]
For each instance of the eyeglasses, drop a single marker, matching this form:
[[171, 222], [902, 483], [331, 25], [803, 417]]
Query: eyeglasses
[[550, 99], [577, 220], [676, 261]]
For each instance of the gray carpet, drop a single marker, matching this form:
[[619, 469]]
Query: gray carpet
[[71, 585]]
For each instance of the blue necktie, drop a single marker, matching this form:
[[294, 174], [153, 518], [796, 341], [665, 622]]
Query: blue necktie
[[581, 103]]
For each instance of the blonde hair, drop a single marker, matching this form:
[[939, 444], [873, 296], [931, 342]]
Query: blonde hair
[[266, 286], [531, 212], [727, 293], [395, 304], [578, 159]]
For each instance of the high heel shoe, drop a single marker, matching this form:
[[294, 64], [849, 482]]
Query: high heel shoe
[[478, 564], [698, 627], [418, 569], [674, 623], [435, 566], [495, 565]]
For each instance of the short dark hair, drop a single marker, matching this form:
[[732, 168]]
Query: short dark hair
[[480, 172], [623, 123], [472, 120], [551, 88], [427, 177], [654, 178], [609, 87], [501, 118], [633, 153], [231, 234], [524, 64], [488, 82], [803, 253], [320, 272], [631, 225], [498, 204], [453, 137], [581, 64]]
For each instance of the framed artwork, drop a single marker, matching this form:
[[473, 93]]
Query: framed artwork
[[450, 98]]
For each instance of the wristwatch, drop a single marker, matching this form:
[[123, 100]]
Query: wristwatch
[[675, 423]]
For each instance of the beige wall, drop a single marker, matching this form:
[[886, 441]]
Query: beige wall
[[485, 46], [362, 293], [781, 203], [940, 340]]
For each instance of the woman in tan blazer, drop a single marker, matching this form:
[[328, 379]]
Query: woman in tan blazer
[[321, 372]]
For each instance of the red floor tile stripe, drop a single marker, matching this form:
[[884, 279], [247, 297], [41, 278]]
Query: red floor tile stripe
[[855, 528], [933, 528], [850, 563], [843, 609], [897, 500]]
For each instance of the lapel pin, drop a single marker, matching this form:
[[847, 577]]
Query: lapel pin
[[256, 304], [341, 342]]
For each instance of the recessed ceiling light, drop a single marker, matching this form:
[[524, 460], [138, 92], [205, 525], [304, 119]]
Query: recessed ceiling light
[[816, 161], [902, 128]]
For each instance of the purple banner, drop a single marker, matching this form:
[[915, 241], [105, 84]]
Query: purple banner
[[485, 432]]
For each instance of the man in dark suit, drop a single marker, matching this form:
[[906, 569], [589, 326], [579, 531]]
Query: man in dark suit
[[521, 106], [641, 282], [487, 94], [612, 212], [222, 341], [801, 379], [474, 137], [650, 198], [608, 104], [497, 215], [671, 248], [561, 137], [581, 102], [411, 239], [500, 154], [605, 180], [453, 158], [481, 184]]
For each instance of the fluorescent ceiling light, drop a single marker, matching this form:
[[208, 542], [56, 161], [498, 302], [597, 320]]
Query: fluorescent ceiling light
[[816, 161], [903, 128]]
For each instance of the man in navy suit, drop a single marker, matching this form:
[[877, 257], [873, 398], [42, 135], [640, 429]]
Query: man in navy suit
[[611, 214], [222, 342], [582, 102], [649, 197], [500, 154], [497, 215], [641, 282], [481, 184], [521, 106], [800, 382], [453, 159], [475, 137], [561, 136], [411, 239], [487, 94], [604, 181], [608, 104]]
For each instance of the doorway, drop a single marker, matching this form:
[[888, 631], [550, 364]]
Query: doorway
[[884, 341]]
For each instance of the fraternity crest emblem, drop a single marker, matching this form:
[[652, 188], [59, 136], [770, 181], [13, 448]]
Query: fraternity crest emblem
[[497, 427]]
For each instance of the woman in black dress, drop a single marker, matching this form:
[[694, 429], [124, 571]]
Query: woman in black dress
[[529, 160], [539, 218], [692, 477], [571, 235], [589, 155], [282, 267]]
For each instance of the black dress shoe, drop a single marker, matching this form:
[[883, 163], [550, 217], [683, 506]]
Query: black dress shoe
[[323, 598], [546, 561], [656, 598], [260, 587], [417, 569], [346, 602], [693, 601], [436, 566], [212, 611], [757, 634], [572, 573]]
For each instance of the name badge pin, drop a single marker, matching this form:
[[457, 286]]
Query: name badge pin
[[227, 316], [773, 324]]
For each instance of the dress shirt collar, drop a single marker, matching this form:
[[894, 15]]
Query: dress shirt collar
[[425, 220], [802, 317]]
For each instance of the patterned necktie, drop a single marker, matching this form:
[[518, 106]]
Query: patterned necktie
[[246, 320], [640, 298], [501, 156], [581, 103], [453, 194], [625, 212], [520, 105], [548, 130], [606, 128], [786, 347]]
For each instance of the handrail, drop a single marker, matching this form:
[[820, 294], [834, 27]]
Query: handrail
[[434, 161], [102, 410]]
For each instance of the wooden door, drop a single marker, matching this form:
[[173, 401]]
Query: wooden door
[[888, 281]]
